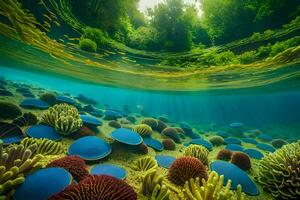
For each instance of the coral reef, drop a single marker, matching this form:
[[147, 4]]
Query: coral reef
[[15, 162], [241, 160], [160, 126], [44, 146], [84, 131], [212, 189], [197, 151], [217, 140], [142, 149], [74, 164], [143, 129], [144, 164], [279, 172], [64, 118], [278, 143], [169, 144], [153, 187], [9, 110], [150, 122], [97, 187], [114, 124], [171, 133], [224, 154], [185, 168], [26, 120], [49, 98]]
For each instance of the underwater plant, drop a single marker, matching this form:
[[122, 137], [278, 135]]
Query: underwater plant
[[15, 162], [144, 164], [44, 146], [153, 187], [197, 151], [169, 144], [97, 187], [185, 168], [74, 164], [87, 45], [224, 154], [279, 172], [217, 140], [171, 133], [150, 122], [143, 129], [241, 160], [64, 118], [211, 189], [26, 119], [49, 98], [9, 110]]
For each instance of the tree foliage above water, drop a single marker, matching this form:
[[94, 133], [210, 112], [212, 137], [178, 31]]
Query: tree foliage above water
[[173, 25]]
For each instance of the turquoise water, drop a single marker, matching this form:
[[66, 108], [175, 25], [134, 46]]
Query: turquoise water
[[255, 110]]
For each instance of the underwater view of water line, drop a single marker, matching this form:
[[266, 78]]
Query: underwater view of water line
[[149, 100]]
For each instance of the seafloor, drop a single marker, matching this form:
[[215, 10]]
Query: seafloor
[[124, 155]]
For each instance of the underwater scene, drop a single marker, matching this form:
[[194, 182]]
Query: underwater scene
[[149, 99]]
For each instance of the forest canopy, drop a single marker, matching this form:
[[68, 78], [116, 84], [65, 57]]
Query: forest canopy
[[175, 26]]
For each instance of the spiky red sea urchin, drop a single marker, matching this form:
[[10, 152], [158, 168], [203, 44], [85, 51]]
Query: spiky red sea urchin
[[100, 187]]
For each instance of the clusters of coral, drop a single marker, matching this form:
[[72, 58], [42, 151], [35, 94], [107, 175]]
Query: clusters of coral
[[15, 162], [44, 146], [210, 189], [197, 151], [64, 118], [279, 172], [144, 164], [143, 129]]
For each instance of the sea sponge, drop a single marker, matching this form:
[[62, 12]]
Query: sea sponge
[[74, 164], [9, 110], [144, 164], [212, 189], [44, 146], [142, 149], [143, 130], [150, 122], [224, 154], [217, 140], [49, 98], [114, 124], [84, 131], [241, 160], [153, 187], [97, 187], [169, 144], [197, 151], [278, 172], [278, 143], [171, 133], [64, 118], [15, 162], [185, 168], [26, 120], [160, 126]]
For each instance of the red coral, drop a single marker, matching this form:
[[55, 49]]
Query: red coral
[[96, 188], [84, 131], [185, 168], [171, 133], [224, 154], [169, 144], [241, 160], [74, 164]]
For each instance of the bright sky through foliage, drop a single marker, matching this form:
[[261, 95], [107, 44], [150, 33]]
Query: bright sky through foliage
[[145, 4]]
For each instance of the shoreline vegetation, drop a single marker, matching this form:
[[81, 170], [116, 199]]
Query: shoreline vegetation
[[59, 32]]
